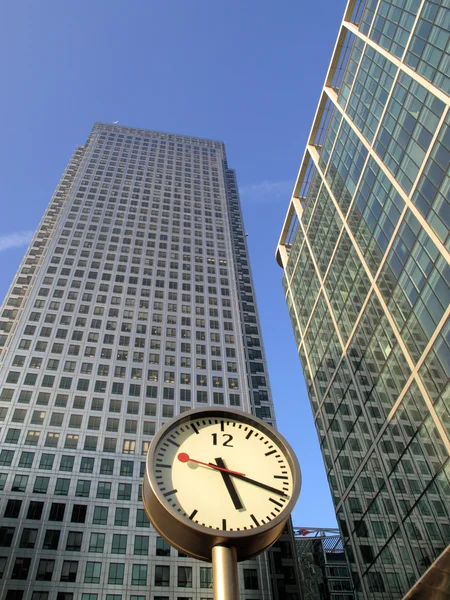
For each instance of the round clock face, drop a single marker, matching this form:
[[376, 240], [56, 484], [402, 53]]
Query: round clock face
[[227, 472]]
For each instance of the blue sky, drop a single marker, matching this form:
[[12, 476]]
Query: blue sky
[[245, 72]]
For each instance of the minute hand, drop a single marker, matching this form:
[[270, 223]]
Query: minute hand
[[259, 484]]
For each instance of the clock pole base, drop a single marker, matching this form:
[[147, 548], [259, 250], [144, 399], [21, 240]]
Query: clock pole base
[[225, 573]]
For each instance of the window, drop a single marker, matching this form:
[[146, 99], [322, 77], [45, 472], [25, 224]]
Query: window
[[109, 445], [148, 428], [141, 545], [18, 416], [119, 544], [86, 465], [235, 400], [150, 409], [107, 466], [115, 406], [167, 410], [251, 579], [202, 396], [92, 572], [21, 568], [83, 488], [100, 516], [6, 536], [71, 441], [122, 517], [35, 510], [41, 485], [162, 547], [97, 404], [14, 595], [79, 402], [28, 539], [104, 489], [130, 426], [115, 575], [12, 436], [19, 483], [124, 491], [79, 513], [69, 570], [12, 509], [51, 539], [185, 577], [218, 398], [74, 540], [62, 487], [206, 577], [6, 457], [162, 575], [139, 575], [61, 400], [97, 542], [26, 460], [57, 511], [141, 518], [45, 570]]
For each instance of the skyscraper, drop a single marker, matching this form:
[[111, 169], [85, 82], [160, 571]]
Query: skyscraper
[[365, 253], [133, 303]]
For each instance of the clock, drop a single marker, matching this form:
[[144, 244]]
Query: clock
[[218, 476]]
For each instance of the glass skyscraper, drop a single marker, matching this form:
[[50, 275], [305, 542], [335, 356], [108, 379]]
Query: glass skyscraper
[[134, 303], [365, 253]]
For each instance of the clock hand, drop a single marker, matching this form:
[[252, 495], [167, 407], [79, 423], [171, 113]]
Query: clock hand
[[229, 485], [264, 486], [184, 457]]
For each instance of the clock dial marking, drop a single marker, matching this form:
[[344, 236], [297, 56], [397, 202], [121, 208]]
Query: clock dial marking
[[275, 502], [193, 513], [255, 520]]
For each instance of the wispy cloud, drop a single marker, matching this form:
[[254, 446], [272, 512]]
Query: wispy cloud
[[267, 191], [15, 240]]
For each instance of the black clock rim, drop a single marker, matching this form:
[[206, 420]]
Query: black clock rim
[[217, 412]]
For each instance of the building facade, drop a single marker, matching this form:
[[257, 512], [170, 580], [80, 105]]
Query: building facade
[[365, 253], [134, 303], [324, 572]]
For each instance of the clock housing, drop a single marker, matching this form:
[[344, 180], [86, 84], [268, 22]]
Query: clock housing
[[218, 476]]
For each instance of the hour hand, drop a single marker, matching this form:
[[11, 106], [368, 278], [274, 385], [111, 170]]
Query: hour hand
[[229, 485]]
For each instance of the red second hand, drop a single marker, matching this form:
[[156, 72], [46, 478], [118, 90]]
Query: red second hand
[[184, 458]]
